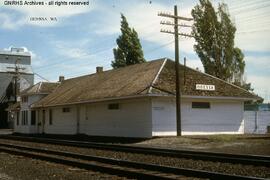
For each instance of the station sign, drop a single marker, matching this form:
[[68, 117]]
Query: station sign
[[205, 87]]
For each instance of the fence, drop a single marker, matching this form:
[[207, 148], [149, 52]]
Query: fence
[[256, 122]]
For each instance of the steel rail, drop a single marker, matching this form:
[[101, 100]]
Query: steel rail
[[127, 168], [257, 160], [83, 165]]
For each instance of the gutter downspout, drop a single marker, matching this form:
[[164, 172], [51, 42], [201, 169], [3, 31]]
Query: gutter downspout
[[256, 122], [78, 119]]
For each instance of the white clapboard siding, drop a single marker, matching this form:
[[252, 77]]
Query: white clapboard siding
[[224, 117], [62, 122], [163, 117], [256, 121], [132, 119], [250, 121], [27, 128]]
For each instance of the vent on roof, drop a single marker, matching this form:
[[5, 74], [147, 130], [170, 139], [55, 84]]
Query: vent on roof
[[61, 78], [17, 49], [99, 69]]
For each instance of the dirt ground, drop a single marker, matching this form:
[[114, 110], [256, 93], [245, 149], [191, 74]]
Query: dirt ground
[[21, 168], [241, 144]]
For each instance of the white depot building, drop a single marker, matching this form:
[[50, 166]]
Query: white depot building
[[134, 101]]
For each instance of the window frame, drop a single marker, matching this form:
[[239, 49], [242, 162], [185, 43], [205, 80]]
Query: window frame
[[24, 99], [33, 117], [200, 105], [50, 117], [66, 109], [113, 106], [24, 117], [18, 118]]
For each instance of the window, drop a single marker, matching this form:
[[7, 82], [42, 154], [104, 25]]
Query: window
[[43, 116], [50, 117], [113, 106], [33, 117], [201, 105], [24, 99], [66, 109], [18, 118], [24, 117]]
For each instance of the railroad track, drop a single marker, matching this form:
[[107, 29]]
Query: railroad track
[[196, 155], [117, 167]]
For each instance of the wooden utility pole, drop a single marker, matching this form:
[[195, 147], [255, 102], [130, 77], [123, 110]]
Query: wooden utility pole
[[16, 77], [177, 78]]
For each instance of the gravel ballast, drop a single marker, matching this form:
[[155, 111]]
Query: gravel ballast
[[20, 168], [238, 169]]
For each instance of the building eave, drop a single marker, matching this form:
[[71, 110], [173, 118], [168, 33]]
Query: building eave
[[142, 96], [219, 97], [30, 94], [99, 100]]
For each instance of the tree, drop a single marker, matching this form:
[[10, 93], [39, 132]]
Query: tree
[[129, 50], [214, 34]]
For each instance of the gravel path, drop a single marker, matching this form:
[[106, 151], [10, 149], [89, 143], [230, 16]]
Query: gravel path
[[21, 168], [245, 170], [239, 144]]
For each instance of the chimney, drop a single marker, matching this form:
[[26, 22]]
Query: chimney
[[61, 78], [99, 69]]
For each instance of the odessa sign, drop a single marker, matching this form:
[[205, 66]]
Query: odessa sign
[[205, 87]]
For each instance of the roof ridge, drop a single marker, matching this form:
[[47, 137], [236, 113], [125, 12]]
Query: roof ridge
[[105, 71], [157, 75]]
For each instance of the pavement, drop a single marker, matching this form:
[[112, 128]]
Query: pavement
[[4, 176], [6, 131]]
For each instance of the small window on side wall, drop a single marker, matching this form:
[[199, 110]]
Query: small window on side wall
[[24, 99], [33, 117], [113, 106], [18, 118], [50, 117], [66, 109], [201, 105]]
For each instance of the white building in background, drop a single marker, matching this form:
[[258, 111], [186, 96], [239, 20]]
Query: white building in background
[[25, 118], [10, 60], [139, 101]]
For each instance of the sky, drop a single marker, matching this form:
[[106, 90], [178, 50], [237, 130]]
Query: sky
[[83, 36]]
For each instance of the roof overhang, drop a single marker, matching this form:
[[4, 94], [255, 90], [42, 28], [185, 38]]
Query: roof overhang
[[221, 98], [100, 100], [143, 96], [31, 94]]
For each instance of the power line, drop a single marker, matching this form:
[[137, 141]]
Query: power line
[[245, 32], [41, 77], [163, 45], [89, 54], [72, 58], [250, 9], [85, 55], [246, 4], [148, 51]]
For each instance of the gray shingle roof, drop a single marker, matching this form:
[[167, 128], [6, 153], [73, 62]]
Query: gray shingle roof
[[40, 88], [151, 78]]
